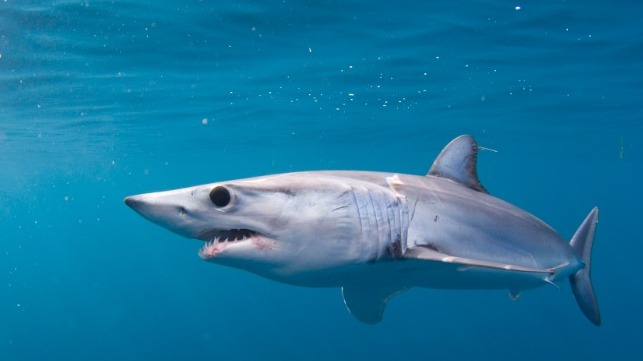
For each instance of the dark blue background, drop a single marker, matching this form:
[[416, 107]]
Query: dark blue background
[[102, 99]]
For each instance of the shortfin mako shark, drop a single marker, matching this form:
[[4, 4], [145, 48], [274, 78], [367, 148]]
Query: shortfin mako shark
[[376, 234]]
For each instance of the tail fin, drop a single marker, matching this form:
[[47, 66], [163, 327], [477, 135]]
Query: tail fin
[[580, 281]]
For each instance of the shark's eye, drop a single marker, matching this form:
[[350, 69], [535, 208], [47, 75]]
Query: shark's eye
[[220, 196]]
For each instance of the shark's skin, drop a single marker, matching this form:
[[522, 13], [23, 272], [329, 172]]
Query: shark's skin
[[376, 235]]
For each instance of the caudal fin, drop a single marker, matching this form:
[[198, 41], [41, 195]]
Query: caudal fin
[[580, 281]]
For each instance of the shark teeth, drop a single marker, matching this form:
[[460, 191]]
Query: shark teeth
[[216, 240], [230, 235]]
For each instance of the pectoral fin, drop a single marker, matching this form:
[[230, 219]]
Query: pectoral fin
[[367, 301]]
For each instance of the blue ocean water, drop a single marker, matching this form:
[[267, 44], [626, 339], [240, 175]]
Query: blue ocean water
[[103, 99]]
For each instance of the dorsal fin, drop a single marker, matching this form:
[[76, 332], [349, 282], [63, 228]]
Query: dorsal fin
[[457, 162]]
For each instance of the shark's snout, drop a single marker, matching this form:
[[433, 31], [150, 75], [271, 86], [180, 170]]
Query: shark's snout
[[132, 202], [140, 205], [163, 209]]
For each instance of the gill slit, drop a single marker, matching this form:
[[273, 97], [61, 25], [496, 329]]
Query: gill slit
[[359, 213]]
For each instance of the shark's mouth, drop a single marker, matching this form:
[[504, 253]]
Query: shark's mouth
[[229, 235], [217, 240]]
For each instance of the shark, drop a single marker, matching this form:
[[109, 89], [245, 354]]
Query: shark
[[377, 235]]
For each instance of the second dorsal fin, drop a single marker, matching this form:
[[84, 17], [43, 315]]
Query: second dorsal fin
[[457, 162]]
